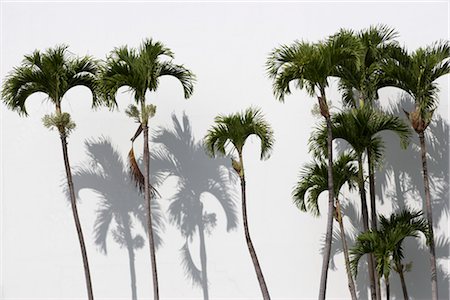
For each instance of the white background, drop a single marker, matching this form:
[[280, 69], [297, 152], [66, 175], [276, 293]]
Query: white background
[[226, 46]]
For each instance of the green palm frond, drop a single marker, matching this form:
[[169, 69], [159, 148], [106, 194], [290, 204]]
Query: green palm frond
[[52, 72], [314, 180], [235, 129], [416, 73], [360, 127], [386, 243], [309, 65], [140, 70]]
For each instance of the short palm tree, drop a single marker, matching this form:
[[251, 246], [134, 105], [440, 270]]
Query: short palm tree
[[233, 130], [386, 244], [121, 202], [310, 66], [184, 158], [361, 128], [54, 72], [313, 181], [140, 70], [417, 74]]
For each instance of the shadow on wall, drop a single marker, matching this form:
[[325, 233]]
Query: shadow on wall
[[181, 156], [400, 179], [404, 169], [120, 201]]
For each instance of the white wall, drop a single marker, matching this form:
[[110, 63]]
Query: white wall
[[226, 46]]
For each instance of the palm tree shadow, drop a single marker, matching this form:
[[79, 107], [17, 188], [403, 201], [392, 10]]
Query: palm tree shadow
[[197, 174], [404, 169], [121, 204]]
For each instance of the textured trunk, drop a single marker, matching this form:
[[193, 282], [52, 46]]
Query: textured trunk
[[147, 196], [402, 281], [373, 214], [201, 232], [73, 203], [365, 217], [351, 283], [251, 249], [434, 287], [130, 248], [329, 229]]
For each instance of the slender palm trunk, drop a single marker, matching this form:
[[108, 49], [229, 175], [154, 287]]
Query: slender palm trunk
[[149, 212], [388, 288], [73, 203], [365, 217], [373, 213], [329, 230], [251, 249], [402, 281], [434, 286], [129, 241], [201, 232], [351, 283]]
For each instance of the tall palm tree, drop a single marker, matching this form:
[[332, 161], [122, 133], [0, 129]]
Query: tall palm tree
[[184, 158], [140, 70], [386, 244], [314, 180], [310, 66], [54, 72], [233, 130], [361, 128], [416, 74], [121, 202]]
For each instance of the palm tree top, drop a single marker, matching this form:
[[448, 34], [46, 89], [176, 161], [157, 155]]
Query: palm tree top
[[386, 243], [52, 72], [360, 127], [235, 128], [309, 65], [314, 180], [140, 70], [362, 78], [416, 73]]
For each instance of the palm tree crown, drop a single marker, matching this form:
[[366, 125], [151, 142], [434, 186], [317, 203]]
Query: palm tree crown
[[141, 70], [52, 72], [309, 65], [235, 129], [314, 180], [416, 74], [360, 127]]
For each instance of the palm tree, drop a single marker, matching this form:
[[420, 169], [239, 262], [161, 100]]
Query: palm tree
[[184, 158], [233, 130], [361, 128], [120, 201], [310, 66], [140, 70], [54, 72], [416, 74], [314, 181], [386, 244]]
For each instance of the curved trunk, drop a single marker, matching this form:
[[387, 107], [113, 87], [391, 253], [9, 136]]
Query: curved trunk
[[402, 281], [201, 232], [73, 203], [329, 229], [251, 249], [373, 212], [434, 287], [365, 217], [147, 197], [351, 283]]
